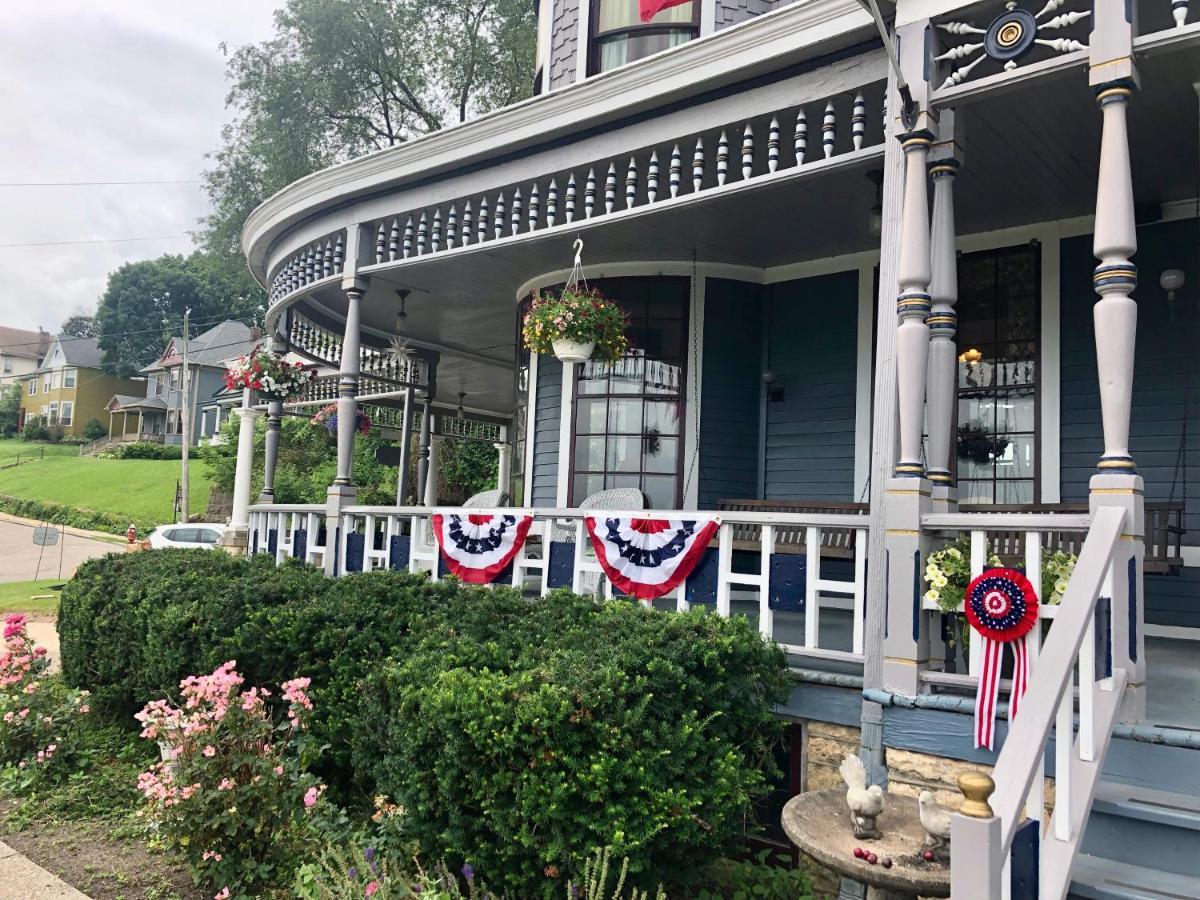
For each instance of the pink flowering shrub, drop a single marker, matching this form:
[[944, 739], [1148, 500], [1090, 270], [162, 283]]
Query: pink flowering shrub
[[232, 790], [39, 716]]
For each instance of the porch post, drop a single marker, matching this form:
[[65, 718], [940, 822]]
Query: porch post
[[271, 443], [343, 492], [235, 539], [110, 422], [503, 464], [431, 472], [942, 321], [1116, 483], [423, 450], [405, 446]]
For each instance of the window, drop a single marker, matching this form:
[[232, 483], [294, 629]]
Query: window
[[67, 411], [55, 380], [32, 387], [69, 378], [999, 317], [46, 383], [171, 414], [206, 536], [175, 377], [53, 412], [619, 36], [8, 365], [629, 415]]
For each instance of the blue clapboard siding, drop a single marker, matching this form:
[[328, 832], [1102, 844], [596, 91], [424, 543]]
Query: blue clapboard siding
[[730, 387], [812, 325], [1167, 348], [545, 432]]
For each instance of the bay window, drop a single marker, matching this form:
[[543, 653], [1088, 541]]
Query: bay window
[[619, 36]]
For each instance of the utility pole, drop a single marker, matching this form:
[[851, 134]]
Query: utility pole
[[186, 384]]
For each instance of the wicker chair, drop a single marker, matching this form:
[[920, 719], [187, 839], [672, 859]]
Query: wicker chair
[[492, 499], [615, 498]]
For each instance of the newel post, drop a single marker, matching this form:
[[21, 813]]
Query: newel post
[[941, 389], [1116, 482], [976, 857]]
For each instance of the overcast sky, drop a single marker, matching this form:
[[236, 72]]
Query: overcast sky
[[105, 90]]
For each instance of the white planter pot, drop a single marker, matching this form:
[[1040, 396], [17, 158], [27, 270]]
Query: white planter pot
[[570, 351]]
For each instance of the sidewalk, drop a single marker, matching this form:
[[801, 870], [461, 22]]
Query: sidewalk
[[21, 879], [24, 560]]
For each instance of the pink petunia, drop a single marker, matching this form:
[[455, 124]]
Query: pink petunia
[[310, 797], [371, 889], [209, 750], [222, 894]]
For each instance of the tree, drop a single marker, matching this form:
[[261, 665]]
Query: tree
[[144, 302], [10, 409], [79, 325], [341, 78]]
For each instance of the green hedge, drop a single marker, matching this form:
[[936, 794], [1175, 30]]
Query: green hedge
[[87, 519], [518, 735], [142, 450]]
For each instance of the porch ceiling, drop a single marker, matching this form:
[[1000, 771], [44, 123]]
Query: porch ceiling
[[465, 300], [1032, 153]]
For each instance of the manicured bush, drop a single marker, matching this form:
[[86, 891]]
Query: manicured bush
[[35, 431], [94, 429], [56, 513], [545, 729], [143, 450]]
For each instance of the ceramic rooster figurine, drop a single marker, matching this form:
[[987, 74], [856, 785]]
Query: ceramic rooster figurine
[[865, 803], [935, 820]]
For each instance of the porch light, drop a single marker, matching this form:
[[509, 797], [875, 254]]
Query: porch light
[[1170, 281], [768, 377], [875, 219], [461, 412]]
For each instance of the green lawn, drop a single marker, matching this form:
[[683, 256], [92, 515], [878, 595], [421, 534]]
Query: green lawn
[[16, 596], [141, 490], [11, 448]]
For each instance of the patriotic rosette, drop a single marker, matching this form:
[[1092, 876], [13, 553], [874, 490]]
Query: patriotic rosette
[[1002, 606], [479, 546], [648, 558]]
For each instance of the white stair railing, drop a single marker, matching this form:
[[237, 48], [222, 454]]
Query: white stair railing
[[981, 845]]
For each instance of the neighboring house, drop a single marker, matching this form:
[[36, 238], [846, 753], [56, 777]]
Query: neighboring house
[[21, 352], [71, 387], [161, 408], [818, 358]]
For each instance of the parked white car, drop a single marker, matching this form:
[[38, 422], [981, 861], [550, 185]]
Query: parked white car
[[192, 534]]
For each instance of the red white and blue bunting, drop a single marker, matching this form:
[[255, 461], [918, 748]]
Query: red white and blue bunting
[[649, 558], [479, 546], [1002, 606]]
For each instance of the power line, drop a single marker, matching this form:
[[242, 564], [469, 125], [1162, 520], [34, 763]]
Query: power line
[[161, 237], [95, 183], [64, 338]]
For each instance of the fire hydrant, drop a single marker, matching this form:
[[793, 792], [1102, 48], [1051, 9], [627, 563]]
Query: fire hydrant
[[131, 534]]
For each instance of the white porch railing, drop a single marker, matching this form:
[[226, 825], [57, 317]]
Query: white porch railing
[[981, 847], [275, 528]]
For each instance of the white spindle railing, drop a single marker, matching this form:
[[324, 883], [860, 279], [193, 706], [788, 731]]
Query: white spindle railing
[[379, 524], [1068, 659], [323, 258]]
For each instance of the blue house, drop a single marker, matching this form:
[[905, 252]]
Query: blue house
[[876, 304]]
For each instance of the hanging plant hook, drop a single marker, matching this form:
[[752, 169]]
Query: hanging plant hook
[[576, 277]]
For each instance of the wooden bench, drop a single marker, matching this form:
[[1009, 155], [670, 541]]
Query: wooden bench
[[837, 543]]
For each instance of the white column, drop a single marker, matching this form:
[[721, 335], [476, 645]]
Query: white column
[[424, 449], [347, 403], [431, 472], [235, 539], [943, 321], [503, 466], [912, 305]]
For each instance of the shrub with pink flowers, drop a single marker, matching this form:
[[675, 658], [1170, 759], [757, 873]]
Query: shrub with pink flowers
[[39, 716], [232, 791]]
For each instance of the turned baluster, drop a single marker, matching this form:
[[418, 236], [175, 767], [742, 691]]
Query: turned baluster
[[466, 224], [515, 217], [451, 226], [610, 188], [631, 183], [498, 220], [722, 159], [422, 234], [436, 240], [571, 198], [858, 121], [747, 152], [801, 141], [589, 194], [535, 203], [773, 145], [380, 242], [551, 203], [483, 219], [698, 165], [652, 177], [408, 237], [676, 170], [829, 130], [327, 260]]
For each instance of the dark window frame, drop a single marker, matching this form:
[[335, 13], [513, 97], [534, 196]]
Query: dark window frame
[[1034, 249], [596, 37]]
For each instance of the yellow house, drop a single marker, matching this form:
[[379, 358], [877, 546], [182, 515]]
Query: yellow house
[[70, 387]]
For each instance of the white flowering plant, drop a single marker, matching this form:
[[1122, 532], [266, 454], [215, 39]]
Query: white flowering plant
[[948, 572], [268, 373]]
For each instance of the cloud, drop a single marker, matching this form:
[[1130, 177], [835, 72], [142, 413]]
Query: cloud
[[122, 90]]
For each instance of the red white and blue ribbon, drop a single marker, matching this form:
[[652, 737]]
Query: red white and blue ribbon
[[649, 558], [479, 546], [1002, 606]]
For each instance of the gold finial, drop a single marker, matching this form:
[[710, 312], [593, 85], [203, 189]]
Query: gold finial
[[976, 787]]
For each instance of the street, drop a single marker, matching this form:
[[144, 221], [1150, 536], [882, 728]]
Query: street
[[22, 560]]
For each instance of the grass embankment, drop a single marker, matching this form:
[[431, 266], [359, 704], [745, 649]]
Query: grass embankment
[[132, 490], [18, 596], [14, 450]]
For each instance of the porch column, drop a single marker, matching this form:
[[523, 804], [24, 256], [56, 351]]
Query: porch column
[[139, 431], [431, 473], [503, 465], [1116, 483], [406, 421], [423, 449], [235, 539], [343, 492], [110, 423], [943, 321], [271, 450]]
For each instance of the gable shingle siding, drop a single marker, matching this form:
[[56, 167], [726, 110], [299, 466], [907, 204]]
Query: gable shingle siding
[[564, 36], [545, 432]]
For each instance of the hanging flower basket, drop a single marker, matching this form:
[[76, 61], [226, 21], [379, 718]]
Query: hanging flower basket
[[270, 374], [577, 324], [328, 419]]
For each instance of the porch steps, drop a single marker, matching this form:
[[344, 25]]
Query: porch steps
[[1140, 843]]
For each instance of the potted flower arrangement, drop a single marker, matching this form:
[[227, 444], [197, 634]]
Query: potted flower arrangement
[[268, 373], [328, 417], [576, 325]]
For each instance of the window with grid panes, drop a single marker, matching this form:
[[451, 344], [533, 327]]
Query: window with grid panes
[[629, 415], [999, 318]]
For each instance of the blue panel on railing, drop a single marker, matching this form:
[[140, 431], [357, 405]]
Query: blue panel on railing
[[253, 541], [1133, 609], [334, 547], [442, 569], [887, 581], [917, 594], [272, 540], [787, 582], [1103, 637], [506, 575], [398, 551], [355, 545], [299, 544], [1025, 858], [562, 564], [702, 583]]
